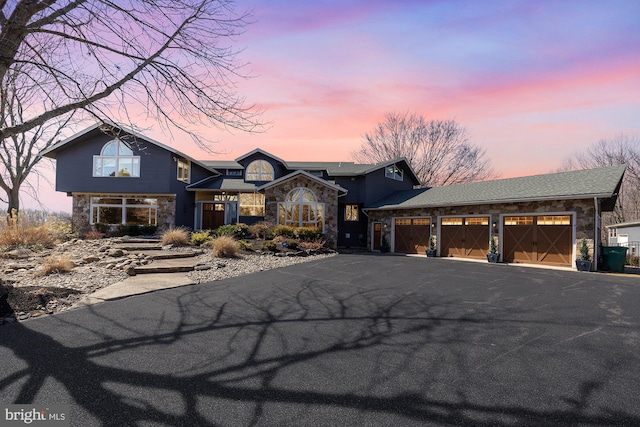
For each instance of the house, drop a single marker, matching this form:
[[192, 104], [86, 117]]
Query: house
[[625, 234], [117, 176]]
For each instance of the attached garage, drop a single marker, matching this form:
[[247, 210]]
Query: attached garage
[[538, 239], [412, 235], [466, 237]]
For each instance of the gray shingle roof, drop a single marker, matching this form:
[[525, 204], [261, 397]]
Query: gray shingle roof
[[223, 184], [222, 164], [600, 182]]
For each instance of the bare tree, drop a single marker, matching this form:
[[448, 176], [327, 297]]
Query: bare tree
[[621, 149], [438, 150], [169, 60]]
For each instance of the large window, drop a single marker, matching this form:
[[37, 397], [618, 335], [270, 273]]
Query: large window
[[251, 204], [259, 170], [301, 209], [116, 210], [116, 159]]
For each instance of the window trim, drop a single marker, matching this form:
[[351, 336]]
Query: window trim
[[123, 206], [396, 174], [290, 206], [261, 174], [186, 163], [118, 157], [349, 213]]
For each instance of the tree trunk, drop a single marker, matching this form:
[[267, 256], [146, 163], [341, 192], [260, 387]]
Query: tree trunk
[[13, 196]]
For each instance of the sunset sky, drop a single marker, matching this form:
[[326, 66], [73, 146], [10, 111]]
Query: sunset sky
[[531, 81]]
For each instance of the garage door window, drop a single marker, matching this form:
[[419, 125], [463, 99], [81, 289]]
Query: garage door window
[[518, 220], [451, 221], [554, 220], [476, 221]]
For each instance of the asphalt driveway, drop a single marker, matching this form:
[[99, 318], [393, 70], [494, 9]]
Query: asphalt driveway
[[350, 340]]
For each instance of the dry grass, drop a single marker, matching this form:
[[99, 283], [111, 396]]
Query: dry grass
[[17, 233], [225, 247], [56, 264], [175, 236], [94, 235]]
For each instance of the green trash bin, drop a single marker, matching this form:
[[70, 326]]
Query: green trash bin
[[615, 257]]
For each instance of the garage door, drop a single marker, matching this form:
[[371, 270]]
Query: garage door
[[544, 239], [412, 235], [466, 237]]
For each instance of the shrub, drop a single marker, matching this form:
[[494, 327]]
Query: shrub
[[16, 233], [312, 246], [633, 260], [102, 227], [245, 246], [285, 231], [238, 231], [308, 234], [225, 247], [62, 229], [200, 237], [281, 241], [175, 236], [262, 229], [269, 245], [94, 235], [137, 229], [56, 264]]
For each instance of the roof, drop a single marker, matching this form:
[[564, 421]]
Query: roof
[[222, 184], [51, 151], [601, 183], [634, 223], [222, 164], [306, 174]]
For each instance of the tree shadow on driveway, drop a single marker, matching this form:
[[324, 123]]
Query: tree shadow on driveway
[[307, 352]]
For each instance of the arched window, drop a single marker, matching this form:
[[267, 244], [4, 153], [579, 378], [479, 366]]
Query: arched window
[[116, 159], [259, 170], [301, 209]]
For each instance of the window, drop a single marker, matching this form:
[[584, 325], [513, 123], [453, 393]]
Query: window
[[613, 232], [554, 220], [476, 221], [234, 172], [518, 220], [351, 213], [116, 159], [393, 172], [451, 221], [301, 209], [184, 170], [251, 204], [116, 210], [259, 170]]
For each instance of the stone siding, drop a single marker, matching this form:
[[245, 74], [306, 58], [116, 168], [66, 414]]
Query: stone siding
[[325, 194], [81, 210]]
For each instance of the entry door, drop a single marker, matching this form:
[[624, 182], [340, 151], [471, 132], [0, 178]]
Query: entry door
[[377, 235], [212, 215]]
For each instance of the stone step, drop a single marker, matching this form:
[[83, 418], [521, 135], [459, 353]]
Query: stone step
[[158, 255], [134, 247], [139, 240], [171, 265]]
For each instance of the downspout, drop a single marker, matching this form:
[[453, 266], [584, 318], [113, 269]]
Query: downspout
[[596, 233]]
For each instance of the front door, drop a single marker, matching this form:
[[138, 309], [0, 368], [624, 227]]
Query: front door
[[212, 215]]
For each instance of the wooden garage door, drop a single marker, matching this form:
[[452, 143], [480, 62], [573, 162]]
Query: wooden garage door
[[412, 235], [464, 237], [545, 239]]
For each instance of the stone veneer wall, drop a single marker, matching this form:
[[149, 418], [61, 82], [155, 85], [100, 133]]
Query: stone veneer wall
[[325, 194], [584, 210], [80, 213]]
